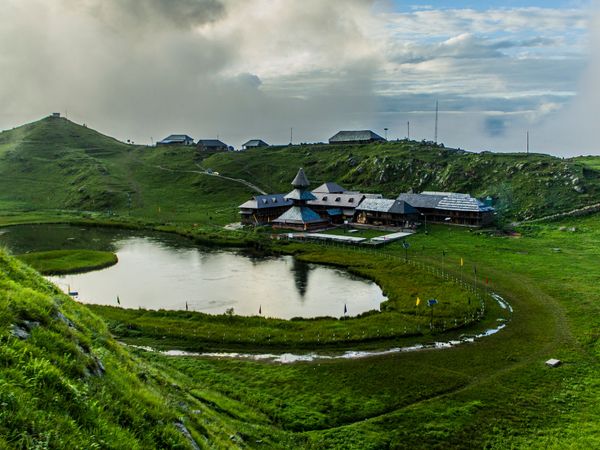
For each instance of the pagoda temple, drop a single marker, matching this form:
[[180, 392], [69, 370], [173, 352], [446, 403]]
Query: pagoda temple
[[300, 216]]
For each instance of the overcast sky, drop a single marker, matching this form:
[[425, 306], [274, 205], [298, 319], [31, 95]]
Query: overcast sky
[[241, 69]]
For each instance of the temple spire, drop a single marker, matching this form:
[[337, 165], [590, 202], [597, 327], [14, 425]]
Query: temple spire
[[300, 181]]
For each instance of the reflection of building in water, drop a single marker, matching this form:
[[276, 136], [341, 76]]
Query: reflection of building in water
[[301, 270]]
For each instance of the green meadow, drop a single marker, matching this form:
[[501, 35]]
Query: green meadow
[[60, 262], [493, 393]]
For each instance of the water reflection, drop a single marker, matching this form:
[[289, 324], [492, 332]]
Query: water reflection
[[165, 271], [301, 270]]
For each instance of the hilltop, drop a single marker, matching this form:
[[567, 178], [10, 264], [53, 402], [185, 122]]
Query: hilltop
[[55, 164]]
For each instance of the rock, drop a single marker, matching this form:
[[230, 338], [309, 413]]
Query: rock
[[553, 363], [579, 189], [562, 229], [60, 316], [19, 332], [572, 229], [30, 325], [183, 429]]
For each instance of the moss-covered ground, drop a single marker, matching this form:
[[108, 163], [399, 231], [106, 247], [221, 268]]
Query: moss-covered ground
[[59, 262]]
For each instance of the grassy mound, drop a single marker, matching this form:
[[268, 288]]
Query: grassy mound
[[61, 262], [64, 382]]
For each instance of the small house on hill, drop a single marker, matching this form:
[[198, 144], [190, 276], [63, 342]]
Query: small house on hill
[[384, 211], [254, 143], [211, 145], [177, 139], [356, 137]]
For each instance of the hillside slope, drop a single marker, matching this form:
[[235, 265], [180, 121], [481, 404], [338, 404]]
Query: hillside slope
[[55, 164]]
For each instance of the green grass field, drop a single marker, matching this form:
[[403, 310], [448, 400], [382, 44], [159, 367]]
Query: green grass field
[[60, 262], [494, 393]]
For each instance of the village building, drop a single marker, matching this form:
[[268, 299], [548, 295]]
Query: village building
[[177, 139], [300, 216], [211, 145], [254, 143], [450, 207], [329, 188], [263, 209], [356, 137], [386, 212]]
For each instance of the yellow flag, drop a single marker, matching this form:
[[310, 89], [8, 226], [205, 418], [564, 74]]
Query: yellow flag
[[462, 263], [418, 301]]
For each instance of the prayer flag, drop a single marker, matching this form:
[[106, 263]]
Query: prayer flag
[[418, 301], [462, 263]]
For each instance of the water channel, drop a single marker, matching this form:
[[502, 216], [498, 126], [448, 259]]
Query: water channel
[[160, 270]]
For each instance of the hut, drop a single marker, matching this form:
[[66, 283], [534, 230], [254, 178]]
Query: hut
[[386, 212]]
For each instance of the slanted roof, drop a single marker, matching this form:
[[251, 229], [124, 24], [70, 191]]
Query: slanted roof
[[346, 200], [462, 202], [300, 194], [424, 200], [211, 143], [255, 143], [355, 136], [447, 201], [176, 138], [300, 181], [329, 187], [298, 215], [266, 201], [386, 205]]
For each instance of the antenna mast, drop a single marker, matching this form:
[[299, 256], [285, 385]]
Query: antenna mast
[[436, 121], [528, 142], [408, 130]]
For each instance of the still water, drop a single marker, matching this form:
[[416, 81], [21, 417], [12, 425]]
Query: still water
[[165, 271]]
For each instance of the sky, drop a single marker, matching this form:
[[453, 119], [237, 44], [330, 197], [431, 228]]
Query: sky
[[244, 69]]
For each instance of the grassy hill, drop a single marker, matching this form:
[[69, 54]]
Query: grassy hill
[[55, 164]]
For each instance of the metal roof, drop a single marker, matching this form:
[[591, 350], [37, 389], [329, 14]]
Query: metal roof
[[447, 201], [426, 201], [255, 143], [300, 181], [346, 200], [329, 187], [300, 194], [267, 201], [211, 143], [299, 215], [354, 136], [387, 205], [462, 202], [175, 138]]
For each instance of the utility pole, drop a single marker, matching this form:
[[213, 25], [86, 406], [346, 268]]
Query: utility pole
[[436, 121], [291, 136], [386, 130], [408, 130], [528, 142]]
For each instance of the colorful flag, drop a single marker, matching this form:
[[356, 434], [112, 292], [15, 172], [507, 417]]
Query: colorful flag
[[345, 309], [462, 263], [260, 310], [418, 301], [186, 306], [118, 300]]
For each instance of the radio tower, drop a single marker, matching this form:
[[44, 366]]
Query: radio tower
[[436, 121]]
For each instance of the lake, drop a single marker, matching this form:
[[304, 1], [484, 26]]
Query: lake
[[160, 270]]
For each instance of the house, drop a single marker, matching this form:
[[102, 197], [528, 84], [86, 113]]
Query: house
[[177, 139], [263, 209], [254, 143], [300, 216], [211, 145], [356, 137], [450, 207], [388, 212]]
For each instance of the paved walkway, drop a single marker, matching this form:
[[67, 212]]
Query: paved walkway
[[391, 237]]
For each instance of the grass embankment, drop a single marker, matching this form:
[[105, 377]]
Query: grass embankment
[[64, 382], [400, 320], [495, 393], [61, 262]]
